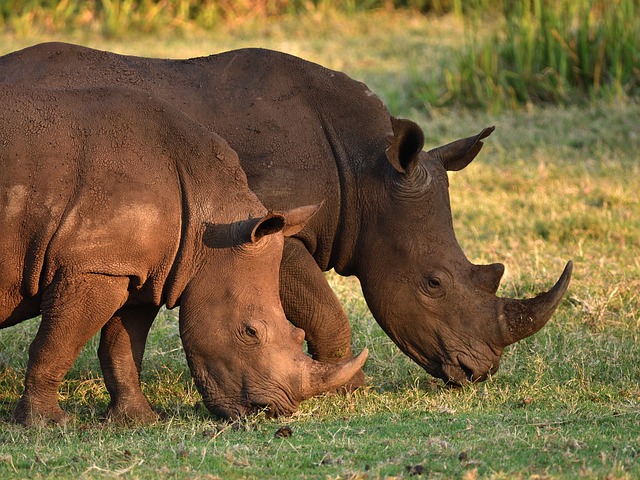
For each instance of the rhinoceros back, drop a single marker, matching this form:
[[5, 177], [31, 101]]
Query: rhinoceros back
[[89, 184], [303, 132]]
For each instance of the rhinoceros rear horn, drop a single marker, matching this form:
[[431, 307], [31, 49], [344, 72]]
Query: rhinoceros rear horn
[[523, 318], [457, 155], [325, 377]]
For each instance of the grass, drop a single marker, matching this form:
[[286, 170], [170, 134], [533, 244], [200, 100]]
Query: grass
[[551, 184], [515, 53], [549, 52]]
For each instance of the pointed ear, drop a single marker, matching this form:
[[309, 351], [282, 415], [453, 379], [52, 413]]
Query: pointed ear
[[289, 222], [297, 218], [268, 225], [404, 145], [457, 155]]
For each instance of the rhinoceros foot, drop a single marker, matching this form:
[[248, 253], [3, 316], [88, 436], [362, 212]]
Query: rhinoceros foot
[[29, 412], [131, 412]]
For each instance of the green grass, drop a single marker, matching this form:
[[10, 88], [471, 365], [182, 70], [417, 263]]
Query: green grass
[[545, 52], [551, 184], [515, 53], [119, 18]]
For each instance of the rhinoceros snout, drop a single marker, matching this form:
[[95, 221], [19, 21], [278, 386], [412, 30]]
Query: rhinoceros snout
[[456, 376], [467, 370]]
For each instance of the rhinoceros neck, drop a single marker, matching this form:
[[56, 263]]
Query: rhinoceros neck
[[347, 207], [213, 192]]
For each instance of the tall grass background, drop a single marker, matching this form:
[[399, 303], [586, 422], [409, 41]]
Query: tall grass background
[[549, 52], [543, 51]]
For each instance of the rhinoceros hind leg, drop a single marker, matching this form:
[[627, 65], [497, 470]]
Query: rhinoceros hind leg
[[122, 344], [73, 310], [310, 304]]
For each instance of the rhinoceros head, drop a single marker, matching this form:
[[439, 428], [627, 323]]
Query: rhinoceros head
[[243, 353], [439, 308]]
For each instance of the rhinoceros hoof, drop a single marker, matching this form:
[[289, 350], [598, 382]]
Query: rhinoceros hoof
[[29, 414], [131, 414]]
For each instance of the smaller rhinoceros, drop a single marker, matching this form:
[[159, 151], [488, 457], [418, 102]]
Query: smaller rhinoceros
[[113, 204]]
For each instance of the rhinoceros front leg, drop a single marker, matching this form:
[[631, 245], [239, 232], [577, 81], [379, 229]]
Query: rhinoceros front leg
[[73, 310], [311, 304], [122, 344]]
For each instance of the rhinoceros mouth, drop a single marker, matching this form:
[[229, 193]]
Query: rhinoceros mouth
[[227, 413], [270, 409], [461, 369], [461, 373], [455, 375], [469, 373], [274, 401], [254, 408], [234, 412]]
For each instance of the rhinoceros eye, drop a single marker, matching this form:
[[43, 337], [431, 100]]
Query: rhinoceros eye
[[250, 331], [432, 286], [251, 334]]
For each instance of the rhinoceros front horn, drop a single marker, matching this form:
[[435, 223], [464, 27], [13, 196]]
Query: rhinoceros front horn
[[523, 318], [325, 377]]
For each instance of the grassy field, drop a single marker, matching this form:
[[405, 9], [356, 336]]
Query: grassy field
[[550, 185]]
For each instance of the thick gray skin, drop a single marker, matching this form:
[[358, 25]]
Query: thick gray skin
[[308, 134], [113, 204]]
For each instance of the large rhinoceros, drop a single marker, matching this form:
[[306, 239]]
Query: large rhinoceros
[[308, 134], [113, 204]]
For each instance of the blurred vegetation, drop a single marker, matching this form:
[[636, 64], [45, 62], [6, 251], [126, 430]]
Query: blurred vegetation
[[117, 17], [548, 52], [515, 52]]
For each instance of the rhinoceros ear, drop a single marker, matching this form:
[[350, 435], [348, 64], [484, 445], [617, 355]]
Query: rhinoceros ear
[[457, 155], [289, 222], [404, 145], [268, 225], [297, 218]]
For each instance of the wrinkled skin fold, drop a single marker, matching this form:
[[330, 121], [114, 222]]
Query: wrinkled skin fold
[[309, 135]]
